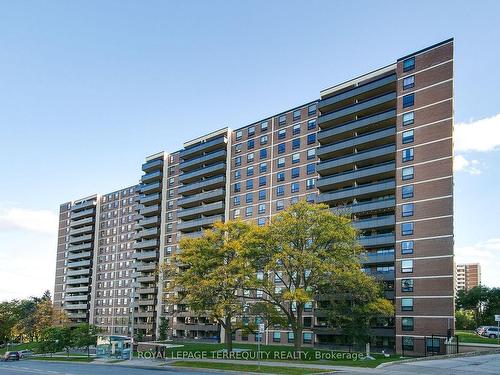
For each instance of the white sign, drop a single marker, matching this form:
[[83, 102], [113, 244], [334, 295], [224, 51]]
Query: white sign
[[497, 318], [262, 327]]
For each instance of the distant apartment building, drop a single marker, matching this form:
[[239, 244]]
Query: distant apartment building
[[467, 276], [379, 145]]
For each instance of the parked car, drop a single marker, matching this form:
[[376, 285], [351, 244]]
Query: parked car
[[25, 353], [491, 332], [481, 329], [11, 356]]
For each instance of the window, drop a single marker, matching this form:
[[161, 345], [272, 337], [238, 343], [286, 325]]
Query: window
[[311, 110], [262, 195], [407, 266], [281, 148], [237, 175], [250, 144], [291, 337], [295, 187], [409, 64], [311, 153], [294, 200], [311, 124], [249, 211], [263, 126], [407, 209], [408, 136], [281, 162], [407, 191], [280, 190], [408, 118], [307, 338], [250, 157], [432, 345], [311, 168], [251, 131], [295, 158], [236, 201], [249, 198], [407, 247], [296, 115], [408, 343], [408, 100], [295, 143], [406, 304], [296, 129], [280, 176], [282, 134], [263, 167], [250, 171], [263, 140], [282, 120], [262, 208], [295, 172], [407, 285], [311, 139], [239, 135], [237, 187], [407, 154], [263, 153], [308, 306], [236, 213], [237, 161], [249, 184], [261, 221], [307, 321], [407, 324], [280, 205], [262, 181], [310, 198], [408, 82], [407, 173], [276, 336], [238, 148], [310, 182], [407, 229]]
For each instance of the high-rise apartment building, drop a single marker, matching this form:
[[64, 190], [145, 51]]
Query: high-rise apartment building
[[467, 276], [379, 146]]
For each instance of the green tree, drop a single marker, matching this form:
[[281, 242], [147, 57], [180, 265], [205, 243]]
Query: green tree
[[85, 336], [8, 318], [163, 328], [464, 319], [52, 340], [210, 272], [484, 302]]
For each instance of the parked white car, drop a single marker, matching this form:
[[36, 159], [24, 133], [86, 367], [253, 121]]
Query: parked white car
[[491, 332]]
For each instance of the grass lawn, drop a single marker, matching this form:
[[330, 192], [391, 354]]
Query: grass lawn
[[471, 337], [249, 368], [278, 353], [62, 359]]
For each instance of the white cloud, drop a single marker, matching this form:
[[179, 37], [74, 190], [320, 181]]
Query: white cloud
[[487, 254], [39, 221], [481, 135], [460, 163]]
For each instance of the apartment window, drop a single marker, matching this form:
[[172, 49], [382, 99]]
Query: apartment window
[[251, 131], [262, 181], [281, 162], [407, 324], [263, 153], [310, 182], [276, 336], [308, 306], [311, 138], [406, 304], [249, 211], [408, 82], [295, 172], [407, 266], [311, 153], [263, 126], [408, 118], [310, 198], [407, 247], [408, 136], [282, 120], [296, 129], [280, 176], [262, 208], [282, 134], [407, 209], [263, 140], [408, 343], [407, 173], [407, 229], [311, 124], [281, 148], [262, 167], [237, 187], [250, 171], [280, 190], [236, 213], [261, 221], [408, 100], [250, 157], [295, 158], [249, 184], [294, 200], [311, 168], [295, 187], [296, 115], [407, 191], [311, 110], [407, 285], [280, 204], [407, 154], [250, 144], [307, 338], [291, 337], [236, 201], [237, 175], [262, 195], [237, 161], [409, 64], [295, 143], [238, 148]]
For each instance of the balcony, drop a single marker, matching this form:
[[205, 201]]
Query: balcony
[[145, 291], [204, 147], [149, 210], [147, 233], [82, 214], [381, 275], [85, 271], [80, 239], [81, 222], [83, 205], [78, 289], [81, 263], [150, 199], [377, 240], [152, 165], [145, 244], [145, 279], [81, 255], [358, 93], [373, 205], [145, 255], [208, 184], [149, 222], [373, 139], [205, 209], [76, 306], [145, 302], [206, 171], [376, 258], [145, 267], [82, 230], [82, 297], [381, 171], [77, 316], [195, 327], [377, 222], [355, 111], [211, 157], [381, 187], [375, 155], [206, 197], [152, 176], [146, 326], [84, 246], [192, 225], [378, 121], [153, 187], [79, 280]]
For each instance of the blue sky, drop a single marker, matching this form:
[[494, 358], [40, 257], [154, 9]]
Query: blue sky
[[89, 88]]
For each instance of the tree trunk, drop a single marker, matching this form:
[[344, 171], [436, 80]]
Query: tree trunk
[[297, 330], [229, 335]]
